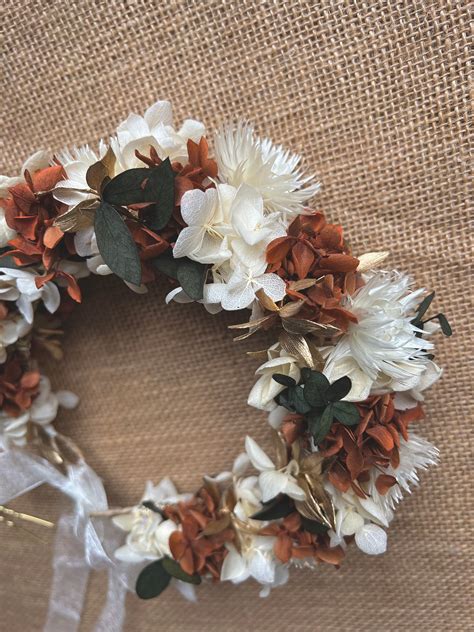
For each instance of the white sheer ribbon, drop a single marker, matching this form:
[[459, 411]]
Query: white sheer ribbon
[[79, 544]]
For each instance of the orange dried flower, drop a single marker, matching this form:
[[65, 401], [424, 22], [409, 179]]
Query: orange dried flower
[[18, 387]]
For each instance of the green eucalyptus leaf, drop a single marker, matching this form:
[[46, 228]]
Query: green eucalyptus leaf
[[312, 526], [278, 507], [116, 245], [347, 413], [191, 276], [152, 581], [166, 264], [284, 380], [174, 569], [144, 185], [161, 184], [315, 387], [339, 389], [320, 423], [424, 306]]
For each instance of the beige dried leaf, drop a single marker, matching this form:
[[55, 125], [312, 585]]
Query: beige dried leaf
[[281, 451], [77, 217], [303, 284], [216, 526], [301, 326], [291, 308], [297, 347], [266, 302], [371, 260], [103, 168]]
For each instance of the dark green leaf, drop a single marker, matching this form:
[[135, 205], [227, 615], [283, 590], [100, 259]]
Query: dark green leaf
[[312, 526], [174, 569], [149, 504], [279, 507], [320, 423], [298, 401], [424, 306], [444, 324], [283, 399], [116, 245], [158, 215], [285, 380], [347, 413], [315, 387], [191, 276], [339, 389], [8, 262], [166, 264], [144, 185], [152, 581]]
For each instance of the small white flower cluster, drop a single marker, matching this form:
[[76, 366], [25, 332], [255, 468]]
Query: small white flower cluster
[[43, 411]]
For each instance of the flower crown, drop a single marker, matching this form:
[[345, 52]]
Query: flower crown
[[343, 382]]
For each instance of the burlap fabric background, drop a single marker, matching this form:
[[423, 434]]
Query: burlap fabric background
[[375, 95]]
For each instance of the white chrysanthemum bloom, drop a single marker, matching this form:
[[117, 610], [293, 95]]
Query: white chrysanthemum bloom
[[148, 532], [273, 481], [381, 352], [415, 454], [19, 285], [264, 391], [43, 412], [154, 129], [76, 162], [361, 517], [244, 158]]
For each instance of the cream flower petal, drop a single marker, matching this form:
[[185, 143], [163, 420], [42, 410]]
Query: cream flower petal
[[272, 483], [159, 112], [257, 456], [234, 567], [189, 240], [371, 539]]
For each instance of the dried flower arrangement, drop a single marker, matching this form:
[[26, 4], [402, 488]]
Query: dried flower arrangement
[[343, 383]]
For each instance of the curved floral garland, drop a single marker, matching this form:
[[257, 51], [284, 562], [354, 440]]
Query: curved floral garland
[[343, 383]]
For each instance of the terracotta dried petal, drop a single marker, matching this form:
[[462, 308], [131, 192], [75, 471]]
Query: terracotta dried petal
[[283, 547], [384, 482], [339, 263], [46, 179], [279, 248], [303, 259], [382, 436], [333, 555]]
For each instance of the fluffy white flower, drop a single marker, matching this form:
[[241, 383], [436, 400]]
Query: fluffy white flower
[[148, 533], [43, 412], [272, 481], [381, 352], [266, 388], [19, 285], [74, 189], [6, 233], [415, 454], [154, 129], [244, 158]]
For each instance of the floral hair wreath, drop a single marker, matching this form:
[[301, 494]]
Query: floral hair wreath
[[343, 383]]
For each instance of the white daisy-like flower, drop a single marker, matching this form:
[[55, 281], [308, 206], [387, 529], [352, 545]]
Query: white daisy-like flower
[[76, 162], [264, 391], [383, 351], [244, 158], [43, 412], [154, 129]]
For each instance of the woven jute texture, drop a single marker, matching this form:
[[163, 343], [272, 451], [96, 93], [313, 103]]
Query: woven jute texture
[[375, 96]]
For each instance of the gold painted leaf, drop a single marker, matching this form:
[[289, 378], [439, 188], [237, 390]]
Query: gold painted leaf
[[266, 302], [297, 346], [77, 217], [291, 308], [301, 326], [100, 170], [217, 526]]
